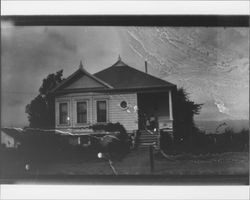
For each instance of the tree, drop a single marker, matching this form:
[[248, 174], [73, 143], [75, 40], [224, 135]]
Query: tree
[[184, 111], [40, 110]]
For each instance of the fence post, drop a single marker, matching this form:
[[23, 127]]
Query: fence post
[[151, 156]]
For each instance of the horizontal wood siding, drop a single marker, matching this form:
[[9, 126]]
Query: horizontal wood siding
[[114, 112], [127, 117]]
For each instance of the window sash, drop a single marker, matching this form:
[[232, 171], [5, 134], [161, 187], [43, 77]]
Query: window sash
[[63, 113], [81, 110], [101, 108]]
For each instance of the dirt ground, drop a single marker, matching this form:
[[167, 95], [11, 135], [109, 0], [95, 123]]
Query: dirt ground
[[138, 163]]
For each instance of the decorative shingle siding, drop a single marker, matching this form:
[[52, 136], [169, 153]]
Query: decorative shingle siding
[[85, 81]]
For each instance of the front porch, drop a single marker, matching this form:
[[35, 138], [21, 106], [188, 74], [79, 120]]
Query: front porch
[[155, 117], [155, 110]]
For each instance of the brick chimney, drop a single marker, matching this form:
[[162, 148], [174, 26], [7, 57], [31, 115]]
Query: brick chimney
[[146, 67]]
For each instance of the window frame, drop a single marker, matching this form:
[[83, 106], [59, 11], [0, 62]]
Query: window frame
[[68, 113], [124, 108], [107, 108], [87, 111]]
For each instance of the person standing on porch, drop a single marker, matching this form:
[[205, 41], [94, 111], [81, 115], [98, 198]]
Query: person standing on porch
[[152, 121]]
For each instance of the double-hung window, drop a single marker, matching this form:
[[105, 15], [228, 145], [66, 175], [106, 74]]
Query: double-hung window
[[101, 111], [63, 113], [81, 110]]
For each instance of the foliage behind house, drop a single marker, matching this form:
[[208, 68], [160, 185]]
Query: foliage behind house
[[184, 111], [41, 109]]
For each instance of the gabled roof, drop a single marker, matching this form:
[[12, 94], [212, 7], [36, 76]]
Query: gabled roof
[[122, 76], [76, 75], [118, 77]]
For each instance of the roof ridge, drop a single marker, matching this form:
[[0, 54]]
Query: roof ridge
[[126, 65], [118, 61]]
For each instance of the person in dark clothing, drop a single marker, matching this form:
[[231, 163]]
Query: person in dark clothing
[[152, 122]]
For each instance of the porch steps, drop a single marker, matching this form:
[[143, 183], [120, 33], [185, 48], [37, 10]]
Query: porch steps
[[146, 139]]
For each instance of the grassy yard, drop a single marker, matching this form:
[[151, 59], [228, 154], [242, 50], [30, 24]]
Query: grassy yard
[[137, 163]]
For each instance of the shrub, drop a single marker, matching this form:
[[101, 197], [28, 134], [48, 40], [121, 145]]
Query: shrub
[[117, 142], [229, 141]]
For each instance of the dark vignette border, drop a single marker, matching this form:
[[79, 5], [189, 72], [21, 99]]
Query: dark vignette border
[[131, 20], [130, 179]]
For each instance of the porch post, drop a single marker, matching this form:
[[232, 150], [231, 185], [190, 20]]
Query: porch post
[[170, 105]]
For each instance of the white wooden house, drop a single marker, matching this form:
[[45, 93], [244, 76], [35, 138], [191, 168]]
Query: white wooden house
[[10, 137], [119, 93]]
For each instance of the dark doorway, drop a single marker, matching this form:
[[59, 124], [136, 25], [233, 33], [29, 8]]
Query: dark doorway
[[152, 105]]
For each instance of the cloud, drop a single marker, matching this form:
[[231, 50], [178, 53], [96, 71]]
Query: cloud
[[14, 102], [62, 40], [208, 62], [29, 54]]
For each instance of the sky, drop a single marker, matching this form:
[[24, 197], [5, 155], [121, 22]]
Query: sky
[[211, 64]]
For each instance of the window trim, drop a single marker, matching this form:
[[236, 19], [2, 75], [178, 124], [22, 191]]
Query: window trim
[[107, 110], [87, 106], [68, 110], [124, 108]]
